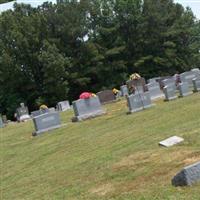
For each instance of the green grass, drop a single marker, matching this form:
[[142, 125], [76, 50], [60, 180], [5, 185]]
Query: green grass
[[115, 156]]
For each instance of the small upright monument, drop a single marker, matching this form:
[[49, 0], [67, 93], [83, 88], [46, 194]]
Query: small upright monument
[[1, 122], [22, 113]]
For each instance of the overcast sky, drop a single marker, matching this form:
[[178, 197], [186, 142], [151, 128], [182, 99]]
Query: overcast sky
[[193, 4]]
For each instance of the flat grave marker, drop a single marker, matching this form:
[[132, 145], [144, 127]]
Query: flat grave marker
[[171, 141]]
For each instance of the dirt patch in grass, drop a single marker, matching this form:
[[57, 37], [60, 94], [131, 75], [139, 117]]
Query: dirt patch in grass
[[102, 190], [162, 166], [192, 158]]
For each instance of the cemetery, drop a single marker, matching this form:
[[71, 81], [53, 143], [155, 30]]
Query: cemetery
[[114, 154], [99, 100]]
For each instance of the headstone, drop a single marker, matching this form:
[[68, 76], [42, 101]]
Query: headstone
[[169, 93], [169, 82], [63, 106], [42, 111], [124, 90], [136, 86], [1, 122], [171, 141], [4, 118], [138, 102], [46, 122], [87, 108], [197, 71], [184, 89], [196, 85], [22, 113], [152, 80], [106, 96], [188, 77], [160, 80], [154, 90], [187, 176]]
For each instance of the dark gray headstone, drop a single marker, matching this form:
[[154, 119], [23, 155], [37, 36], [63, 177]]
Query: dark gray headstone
[[1, 122], [196, 85], [87, 108], [184, 89], [187, 176], [46, 122], [139, 101], [154, 90], [169, 93], [106, 96], [22, 113], [124, 90], [63, 106]]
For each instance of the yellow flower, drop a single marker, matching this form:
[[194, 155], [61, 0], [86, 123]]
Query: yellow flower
[[115, 91], [43, 107], [135, 76]]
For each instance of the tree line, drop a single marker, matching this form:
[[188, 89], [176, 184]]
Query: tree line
[[55, 52]]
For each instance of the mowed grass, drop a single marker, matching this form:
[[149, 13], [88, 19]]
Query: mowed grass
[[115, 156]]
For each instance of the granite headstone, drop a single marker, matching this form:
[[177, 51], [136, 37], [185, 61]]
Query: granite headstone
[[22, 113], [187, 176], [196, 85], [46, 122], [1, 122], [188, 77], [154, 90], [169, 92], [138, 102], [87, 108], [63, 106], [184, 89], [124, 90], [106, 96]]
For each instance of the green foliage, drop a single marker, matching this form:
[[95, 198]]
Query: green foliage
[[55, 52], [4, 1]]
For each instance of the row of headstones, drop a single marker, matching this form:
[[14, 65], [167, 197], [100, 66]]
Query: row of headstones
[[88, 108], [189, 81], [23, 113]]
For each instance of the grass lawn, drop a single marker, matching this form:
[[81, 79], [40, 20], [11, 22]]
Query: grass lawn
[[115, 156]]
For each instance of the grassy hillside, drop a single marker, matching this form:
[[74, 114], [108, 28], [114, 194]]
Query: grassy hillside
[[115, 156]]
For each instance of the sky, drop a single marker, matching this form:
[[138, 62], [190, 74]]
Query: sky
[[193, 4]]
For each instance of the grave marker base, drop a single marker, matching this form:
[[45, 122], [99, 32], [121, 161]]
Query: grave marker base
[[87, 116], [45, 130]]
